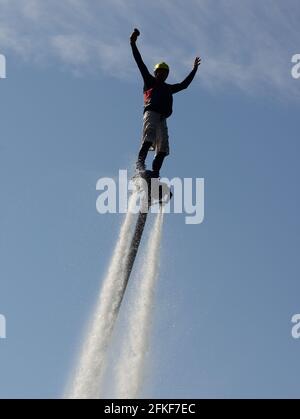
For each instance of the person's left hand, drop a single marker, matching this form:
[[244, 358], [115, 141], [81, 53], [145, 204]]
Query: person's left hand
[[197, 62]]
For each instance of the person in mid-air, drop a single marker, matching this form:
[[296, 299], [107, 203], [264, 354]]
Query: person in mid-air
[[158, 102]]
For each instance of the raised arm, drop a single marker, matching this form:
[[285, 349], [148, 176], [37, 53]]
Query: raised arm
[[187, 81], [138, 58]]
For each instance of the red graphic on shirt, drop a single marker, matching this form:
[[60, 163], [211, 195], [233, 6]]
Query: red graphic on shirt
[[147, 95]]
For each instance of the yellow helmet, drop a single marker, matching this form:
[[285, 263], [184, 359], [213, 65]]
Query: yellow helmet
[[161, 65]]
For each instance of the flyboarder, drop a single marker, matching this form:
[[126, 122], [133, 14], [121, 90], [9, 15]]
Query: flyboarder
[[158, 102]]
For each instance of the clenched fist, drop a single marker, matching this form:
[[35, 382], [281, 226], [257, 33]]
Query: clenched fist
[[134, 35]]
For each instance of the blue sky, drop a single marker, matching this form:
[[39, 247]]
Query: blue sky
[[71, 112]]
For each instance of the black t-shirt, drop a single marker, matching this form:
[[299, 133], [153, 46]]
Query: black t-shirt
[[158, 96]]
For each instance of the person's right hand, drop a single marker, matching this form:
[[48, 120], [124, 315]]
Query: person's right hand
[[134, 35]]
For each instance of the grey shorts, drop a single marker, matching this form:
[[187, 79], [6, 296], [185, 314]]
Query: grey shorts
[[155, 131]]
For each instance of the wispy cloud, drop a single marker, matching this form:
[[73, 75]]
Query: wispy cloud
[[246, 44]]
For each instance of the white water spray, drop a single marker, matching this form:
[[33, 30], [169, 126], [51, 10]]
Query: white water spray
[[89, 373], [132, 362]]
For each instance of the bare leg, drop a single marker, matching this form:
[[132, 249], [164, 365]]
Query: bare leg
[[157, 163], [140, 164]]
